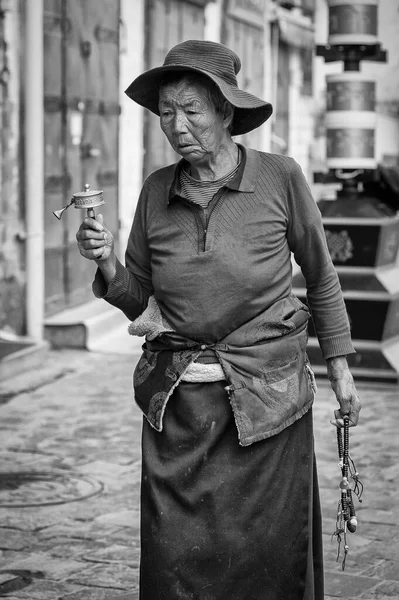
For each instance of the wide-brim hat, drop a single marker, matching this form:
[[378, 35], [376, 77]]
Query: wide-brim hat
[[215, 61]]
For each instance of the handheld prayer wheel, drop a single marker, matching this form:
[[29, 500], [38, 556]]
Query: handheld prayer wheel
[[88, 199]]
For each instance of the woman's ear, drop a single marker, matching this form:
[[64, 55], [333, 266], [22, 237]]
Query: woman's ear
[[228, 115]]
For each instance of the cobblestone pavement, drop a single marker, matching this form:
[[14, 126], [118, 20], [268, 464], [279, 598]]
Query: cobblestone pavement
[[69, 484]]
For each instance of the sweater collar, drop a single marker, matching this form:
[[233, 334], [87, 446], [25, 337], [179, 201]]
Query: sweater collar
[[244, 181]]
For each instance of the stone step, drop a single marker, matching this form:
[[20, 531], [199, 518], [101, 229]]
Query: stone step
[[96, 326], [81, 326], [19, 355], [117, 341]]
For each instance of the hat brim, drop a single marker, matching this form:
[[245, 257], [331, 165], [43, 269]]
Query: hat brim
[[250, 111]]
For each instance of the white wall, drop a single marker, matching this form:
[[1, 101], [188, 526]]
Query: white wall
[[213, 21], [301, 130]]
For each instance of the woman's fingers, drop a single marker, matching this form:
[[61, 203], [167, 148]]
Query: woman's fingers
[[351, 409], [348, 398], [85, 231], [91, 242], [339, 421], [94, 240], [89, 234], [96, 224]]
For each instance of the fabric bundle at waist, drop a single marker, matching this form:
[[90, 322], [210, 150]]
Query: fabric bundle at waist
[[206, 368], [208, 357]]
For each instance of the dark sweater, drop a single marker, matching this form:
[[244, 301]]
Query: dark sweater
[[213, 270]]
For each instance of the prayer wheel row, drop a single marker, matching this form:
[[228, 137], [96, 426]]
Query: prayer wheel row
[[362, 230], [351, 118]]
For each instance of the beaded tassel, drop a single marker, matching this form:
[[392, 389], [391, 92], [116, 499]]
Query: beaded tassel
[[346, 514]]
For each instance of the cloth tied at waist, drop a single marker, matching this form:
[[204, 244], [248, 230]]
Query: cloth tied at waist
[[263, 361], [153, 326]]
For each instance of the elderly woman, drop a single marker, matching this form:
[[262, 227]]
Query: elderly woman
[[229, 496]]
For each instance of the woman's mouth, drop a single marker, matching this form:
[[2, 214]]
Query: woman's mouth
[[185, 148]]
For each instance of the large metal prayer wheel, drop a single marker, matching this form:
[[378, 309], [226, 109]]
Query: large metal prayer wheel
[[350, 121], [352, 22]]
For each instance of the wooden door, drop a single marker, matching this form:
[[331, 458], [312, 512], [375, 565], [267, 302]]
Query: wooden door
[[168, 22], [242, 31], [81, 103]]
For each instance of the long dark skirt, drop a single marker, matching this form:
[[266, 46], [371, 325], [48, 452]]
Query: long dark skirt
[[225, 522]]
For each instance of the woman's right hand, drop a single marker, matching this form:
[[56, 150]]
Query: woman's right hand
[[95, 241]]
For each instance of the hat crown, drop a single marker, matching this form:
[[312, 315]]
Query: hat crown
[[206, 56]]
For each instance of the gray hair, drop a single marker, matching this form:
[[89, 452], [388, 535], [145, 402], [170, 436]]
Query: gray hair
[[213, 93]]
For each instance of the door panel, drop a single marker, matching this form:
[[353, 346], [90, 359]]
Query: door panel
[[82, 99], [243, 33], [54, 172], [169, 22]]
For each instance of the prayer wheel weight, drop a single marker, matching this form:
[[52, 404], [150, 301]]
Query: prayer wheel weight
[[88, 199]]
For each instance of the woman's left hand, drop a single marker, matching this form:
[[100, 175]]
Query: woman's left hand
[[345, 391]]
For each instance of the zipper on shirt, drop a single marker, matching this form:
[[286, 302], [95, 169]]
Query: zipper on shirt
[[202, 241], [207, 214], [203, 216]]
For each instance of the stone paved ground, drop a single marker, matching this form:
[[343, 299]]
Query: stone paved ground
[[69, 514]]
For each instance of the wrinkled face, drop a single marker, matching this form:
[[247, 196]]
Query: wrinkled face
[[190, 122]]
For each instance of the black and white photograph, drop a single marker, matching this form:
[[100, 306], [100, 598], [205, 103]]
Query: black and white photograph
[[199, 299]]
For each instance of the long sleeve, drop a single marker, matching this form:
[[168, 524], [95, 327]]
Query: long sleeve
[[132, 285], [307, 241]]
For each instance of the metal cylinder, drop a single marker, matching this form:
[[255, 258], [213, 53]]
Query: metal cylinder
[[352, 22], [350, 91], [88, 198], [350, 121]]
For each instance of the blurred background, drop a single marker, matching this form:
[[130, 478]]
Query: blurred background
[[65, 122]]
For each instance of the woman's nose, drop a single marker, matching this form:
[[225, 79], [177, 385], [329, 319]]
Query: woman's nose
[[180, 123]]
